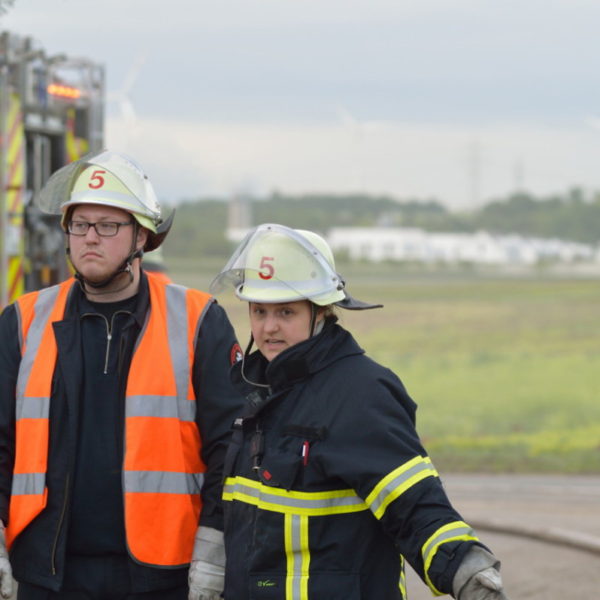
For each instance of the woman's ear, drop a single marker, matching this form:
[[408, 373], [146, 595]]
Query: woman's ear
[[324, 311], [142, 237]]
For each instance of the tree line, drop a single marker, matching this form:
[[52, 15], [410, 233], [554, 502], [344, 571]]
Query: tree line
[[200, 224]]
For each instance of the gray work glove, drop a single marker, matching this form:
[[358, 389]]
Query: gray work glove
[[478, 577], [206, 576], [6, 580]]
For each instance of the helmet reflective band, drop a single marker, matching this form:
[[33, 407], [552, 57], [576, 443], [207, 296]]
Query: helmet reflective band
[[99, 186], [279, 264]]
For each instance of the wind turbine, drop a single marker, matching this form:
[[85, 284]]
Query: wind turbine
[[359, 129], [121, 98]]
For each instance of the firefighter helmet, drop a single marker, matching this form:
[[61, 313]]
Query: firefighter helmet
[[276, 264], [109, 179]]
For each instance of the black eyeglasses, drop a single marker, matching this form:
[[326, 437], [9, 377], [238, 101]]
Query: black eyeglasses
[[103, 228]]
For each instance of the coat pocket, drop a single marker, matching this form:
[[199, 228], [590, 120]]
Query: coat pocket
[[280, 470]]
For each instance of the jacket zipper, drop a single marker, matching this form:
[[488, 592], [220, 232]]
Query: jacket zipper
[[65, 502], [109, 328], [108, 338], [60, 523]]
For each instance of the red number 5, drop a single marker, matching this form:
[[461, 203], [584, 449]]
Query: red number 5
[[97, 179], [268, 268]]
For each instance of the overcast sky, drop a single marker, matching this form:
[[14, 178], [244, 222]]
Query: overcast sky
[[458, 100]]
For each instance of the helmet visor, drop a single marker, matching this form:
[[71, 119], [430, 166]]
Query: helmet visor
[[56, 193], [275, 263]]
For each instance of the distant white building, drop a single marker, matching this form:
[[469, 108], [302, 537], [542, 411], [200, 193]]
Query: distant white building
[[416, 245], [239, 217]]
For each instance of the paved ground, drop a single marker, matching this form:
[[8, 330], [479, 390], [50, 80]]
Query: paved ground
[[564, 508]]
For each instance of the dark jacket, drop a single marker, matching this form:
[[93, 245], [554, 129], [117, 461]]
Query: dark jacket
[[38, 553], [327, 484]]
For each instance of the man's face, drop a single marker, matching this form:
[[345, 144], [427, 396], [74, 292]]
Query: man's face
[[97, 257]]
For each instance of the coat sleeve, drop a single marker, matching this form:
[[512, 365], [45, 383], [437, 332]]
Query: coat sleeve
[[10, 357], [218, 404], [376, 450]]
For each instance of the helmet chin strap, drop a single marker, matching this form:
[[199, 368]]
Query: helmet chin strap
[[315, 326], [242, 369], [96, 288], [314, 329]]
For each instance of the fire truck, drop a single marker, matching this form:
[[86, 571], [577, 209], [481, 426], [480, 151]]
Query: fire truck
[[51, 113]]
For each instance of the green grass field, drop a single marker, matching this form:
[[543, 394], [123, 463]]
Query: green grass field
[[506, 371]]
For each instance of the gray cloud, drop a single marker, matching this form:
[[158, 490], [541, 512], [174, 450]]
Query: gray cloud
[[472, 67]]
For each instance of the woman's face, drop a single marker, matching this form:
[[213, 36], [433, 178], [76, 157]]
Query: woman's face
[[276, 327]]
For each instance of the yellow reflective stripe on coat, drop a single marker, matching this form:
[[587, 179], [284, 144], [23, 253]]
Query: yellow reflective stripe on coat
[[452, 532], [298, 557], [298, 506], [310, 504], [397, 482], [402, 582]]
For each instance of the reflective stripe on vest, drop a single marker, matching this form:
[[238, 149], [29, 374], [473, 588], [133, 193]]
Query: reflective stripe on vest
[[458, 531], [35, 312], [163, 471]]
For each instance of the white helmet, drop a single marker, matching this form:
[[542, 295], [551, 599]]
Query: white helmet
[[109, 179], [276, 264]]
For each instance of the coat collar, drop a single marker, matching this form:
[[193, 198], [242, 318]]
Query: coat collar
[[76, 298], [300, 361]]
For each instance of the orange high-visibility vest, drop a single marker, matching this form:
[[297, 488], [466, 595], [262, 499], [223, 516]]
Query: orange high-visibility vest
[[162, 469]]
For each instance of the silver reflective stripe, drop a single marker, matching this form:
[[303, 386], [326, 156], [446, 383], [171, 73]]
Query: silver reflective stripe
[[30, 407], [177, 333], [178, 407], [28, 483], [163, 482], [159, 406], [168, 406], [298, 557], [43, 307], [420, 469], [317, 503], [33, 408], [452, 531]]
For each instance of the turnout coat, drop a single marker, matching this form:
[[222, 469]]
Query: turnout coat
[[327, 486]]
